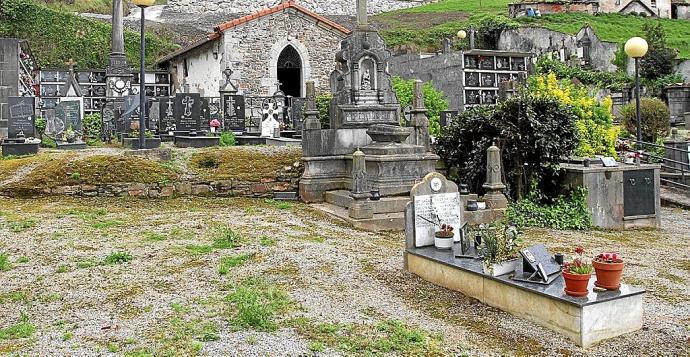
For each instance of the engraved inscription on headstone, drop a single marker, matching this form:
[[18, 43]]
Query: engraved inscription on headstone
[[234, 113], [68, 114], [188, 111], [167, 114], [431, 211], [22, 118]]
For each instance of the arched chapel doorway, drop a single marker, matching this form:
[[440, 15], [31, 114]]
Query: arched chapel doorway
[[290, 72]]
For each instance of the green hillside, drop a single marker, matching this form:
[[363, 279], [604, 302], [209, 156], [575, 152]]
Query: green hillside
[[56, 36], [427, 25]]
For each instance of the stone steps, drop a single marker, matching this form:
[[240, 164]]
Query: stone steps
[[394, 204], [380, 222]]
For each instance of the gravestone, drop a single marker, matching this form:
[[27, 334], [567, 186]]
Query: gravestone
[[435, 201], [127, 113], [167, 115], [538, 266], [205, 112], [22, 121], [68, 124], [269, 126], [297, 112], [234, 113], [153, 115], [188, 112]]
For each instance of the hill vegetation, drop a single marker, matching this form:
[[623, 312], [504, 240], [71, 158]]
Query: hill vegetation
[[424, 27], [55, 36]]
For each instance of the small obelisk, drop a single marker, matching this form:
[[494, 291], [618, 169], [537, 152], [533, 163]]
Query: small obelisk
[[311, 114], [118, 73], [494, 196], [419, 120], [362, 17]]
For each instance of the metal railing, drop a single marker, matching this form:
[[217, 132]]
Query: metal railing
[[668, 165]]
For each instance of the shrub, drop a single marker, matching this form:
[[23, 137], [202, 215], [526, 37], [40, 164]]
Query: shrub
[[490, 29], [525, 127], [596, 132], [568, 211], [323, 102], [227, 138], [434, 100], [659, 61], [600, 79], [654, 115], [92, 126]]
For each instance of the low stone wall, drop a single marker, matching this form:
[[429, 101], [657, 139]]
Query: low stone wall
[[286, 181], [325, 7]]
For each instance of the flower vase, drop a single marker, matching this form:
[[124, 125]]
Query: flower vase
[[443, 242]]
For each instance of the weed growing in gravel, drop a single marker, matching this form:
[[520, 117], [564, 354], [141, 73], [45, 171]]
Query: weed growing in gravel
[[267, 241], [313, 238], [154, 237], [226, 238], [23, 329], [382, 338], [67, 336], [19, 226], [230, 262], [256, 305], [118, 258], [23, 259], [105, 223], [62, 269], [14, 296], [87, 263], [278, 204], [5, 262]]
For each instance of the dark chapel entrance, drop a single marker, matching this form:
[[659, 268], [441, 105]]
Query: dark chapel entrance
[[290, 72]]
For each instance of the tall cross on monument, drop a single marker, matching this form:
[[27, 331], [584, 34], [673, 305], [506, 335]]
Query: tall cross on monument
[[362, 19]]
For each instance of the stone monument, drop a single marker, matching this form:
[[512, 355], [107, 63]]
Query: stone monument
[[494, 197], [118, 76], [364, 113], [21, 127]]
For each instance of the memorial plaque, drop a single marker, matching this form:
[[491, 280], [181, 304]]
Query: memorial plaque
[[435, 201], [21, 117], [609, 161], [188, 111], [69, 114], [471, 79], [538, 265], [167, 114], [234, 113], [638, 193]]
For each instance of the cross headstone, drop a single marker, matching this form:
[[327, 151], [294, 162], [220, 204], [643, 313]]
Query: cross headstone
[[268, 126], [188, 111], [435, 201], [167, 114], [234, 113]]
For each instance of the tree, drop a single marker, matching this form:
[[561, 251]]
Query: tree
[[659, 60]]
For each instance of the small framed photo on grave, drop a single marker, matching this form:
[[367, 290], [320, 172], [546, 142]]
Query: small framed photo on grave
[[609, 161], [538, 266]]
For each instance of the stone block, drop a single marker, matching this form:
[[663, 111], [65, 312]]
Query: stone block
[[259, 188], [201, 190], [183, 188], [167, 191]]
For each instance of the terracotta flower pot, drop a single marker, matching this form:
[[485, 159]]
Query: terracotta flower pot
[[608, 274], [576, 284]]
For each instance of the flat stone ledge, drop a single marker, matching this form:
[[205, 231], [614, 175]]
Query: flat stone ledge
[[585, 320]]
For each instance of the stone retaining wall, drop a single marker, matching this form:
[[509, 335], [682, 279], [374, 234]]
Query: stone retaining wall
[[325, 7]]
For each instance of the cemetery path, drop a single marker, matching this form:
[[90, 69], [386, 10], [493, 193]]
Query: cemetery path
[[118, 276]]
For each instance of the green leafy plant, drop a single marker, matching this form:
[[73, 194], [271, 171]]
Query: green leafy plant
[[500, 243], [255, 305], [226, 238], [92, 126], [578, 265], [659, 60], [654, 116], [323, 102], [118, 258], [23, 329], [434, 100], [569, 211], [524, 128], [600, 79], [227, 138]]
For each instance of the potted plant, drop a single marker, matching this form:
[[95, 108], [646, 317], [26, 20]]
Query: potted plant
[[576, 274], [443, 239], [609, 268], [499, 249]]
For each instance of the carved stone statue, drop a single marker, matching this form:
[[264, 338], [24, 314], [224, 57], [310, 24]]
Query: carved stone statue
[[366, 79]]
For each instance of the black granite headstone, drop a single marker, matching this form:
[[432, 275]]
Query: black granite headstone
[[205, 112], [297, 112], [21, 117], [127, 113], [234, 113], [69, 114], [167, 114], [188, 111]]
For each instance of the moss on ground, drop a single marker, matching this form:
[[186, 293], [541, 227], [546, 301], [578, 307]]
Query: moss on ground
[[62, 170], [237, 163], [9, 166]]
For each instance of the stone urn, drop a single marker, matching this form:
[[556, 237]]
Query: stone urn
[[386, 133]]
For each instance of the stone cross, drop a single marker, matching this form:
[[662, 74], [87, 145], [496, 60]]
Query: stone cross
[[169, 110], [494, 196], [188, 102], [362, 19]]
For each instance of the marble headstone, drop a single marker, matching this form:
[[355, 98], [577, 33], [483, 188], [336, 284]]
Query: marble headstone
[[234, 113], [21, 117], [68, 115], [435, 201], [268, 126], [167, 114]]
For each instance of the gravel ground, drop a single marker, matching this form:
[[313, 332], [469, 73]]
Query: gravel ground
[[164, 299]]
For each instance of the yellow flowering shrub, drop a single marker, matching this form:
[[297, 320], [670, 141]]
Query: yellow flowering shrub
[[596, 132]]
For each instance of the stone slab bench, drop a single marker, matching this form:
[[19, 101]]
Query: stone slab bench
[[585, 320]]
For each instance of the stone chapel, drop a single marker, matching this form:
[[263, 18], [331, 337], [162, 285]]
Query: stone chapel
[[277, 48]]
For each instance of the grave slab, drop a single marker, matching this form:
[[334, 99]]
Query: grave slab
[[197, 141], [18, 149], [584, 320]]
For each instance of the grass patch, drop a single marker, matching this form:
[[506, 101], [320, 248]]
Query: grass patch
[[230, 262], [23, 329], [256, 305], [5, 262], [21, 225], [118, 258], [93, 170], [267, 241], [226, 238], [278, 204], [154, 237], [383, 338], [23, 259], [14, 296], [242, 163]]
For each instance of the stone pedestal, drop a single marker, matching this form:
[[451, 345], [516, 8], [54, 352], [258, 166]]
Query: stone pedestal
[[196, 141], [18, 149], [494, 197]]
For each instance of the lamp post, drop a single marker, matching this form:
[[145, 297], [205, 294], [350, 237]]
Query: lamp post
[[636, 48], [142, 4]]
